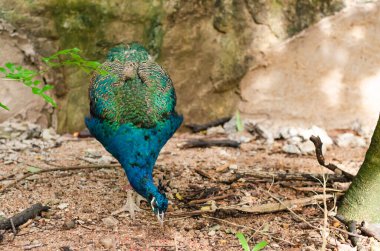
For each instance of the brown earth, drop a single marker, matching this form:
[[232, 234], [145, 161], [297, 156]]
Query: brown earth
[[91, 195]]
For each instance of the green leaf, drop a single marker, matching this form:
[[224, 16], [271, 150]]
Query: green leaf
[[260, 246], [36, 90], [243, 241], [28, 82], [47, 87], [4, 106], [92, 64], [49, 99], [10, 66], [239, 123], [33, 169], [3, 70], [36, 82]]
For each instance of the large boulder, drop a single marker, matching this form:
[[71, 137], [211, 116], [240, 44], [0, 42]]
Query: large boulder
[[327, 75], [207, 46]]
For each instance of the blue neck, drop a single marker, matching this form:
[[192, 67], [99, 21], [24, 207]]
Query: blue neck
[[139, 172], [136, 148]]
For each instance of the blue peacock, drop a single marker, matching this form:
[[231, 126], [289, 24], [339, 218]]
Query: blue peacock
[[133, 115]]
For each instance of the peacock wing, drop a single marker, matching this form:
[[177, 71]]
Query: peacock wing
[[159, 95]]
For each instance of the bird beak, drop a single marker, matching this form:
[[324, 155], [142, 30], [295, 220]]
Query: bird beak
[[152, 203], [160, 218]]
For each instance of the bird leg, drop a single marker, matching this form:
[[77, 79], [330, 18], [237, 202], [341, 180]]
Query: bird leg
[[132, 204]]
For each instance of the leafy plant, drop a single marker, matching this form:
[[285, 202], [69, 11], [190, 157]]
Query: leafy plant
[[239, 122], [244, 243], [71, 57], [67, 57]]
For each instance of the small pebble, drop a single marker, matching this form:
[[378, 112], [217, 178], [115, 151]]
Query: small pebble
[[63, 206], [70, 224], [110, 222], [233, 167], [107, 242]]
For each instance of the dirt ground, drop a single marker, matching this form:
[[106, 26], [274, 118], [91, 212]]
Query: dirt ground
[[81, 200]]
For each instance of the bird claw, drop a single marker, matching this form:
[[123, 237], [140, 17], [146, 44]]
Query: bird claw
[[130, 206], [160, 218]]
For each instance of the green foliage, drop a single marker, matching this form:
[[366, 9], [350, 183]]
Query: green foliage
[[239, 122], [244, 243], [71, 57], [67, 57], [28, 78]]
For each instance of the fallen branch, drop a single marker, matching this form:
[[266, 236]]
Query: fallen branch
[[315, 189], [67, 168], [204, 174], [321, 159], [201, 127], [200, 201], [280, 206], [202, 143], [22, 217], [262, 209], [371, 230], [367, 229], [273, 177]]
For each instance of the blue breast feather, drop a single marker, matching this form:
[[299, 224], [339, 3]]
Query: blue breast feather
[[135, 148]]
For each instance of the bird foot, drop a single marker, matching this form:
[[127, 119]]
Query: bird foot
[[132, 204]]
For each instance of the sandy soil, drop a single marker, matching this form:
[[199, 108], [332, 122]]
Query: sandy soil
[[81, 200]]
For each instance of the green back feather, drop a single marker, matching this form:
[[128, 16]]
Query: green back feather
[[136, 91]]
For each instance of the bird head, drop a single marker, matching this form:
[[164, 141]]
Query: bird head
[[159, 204]]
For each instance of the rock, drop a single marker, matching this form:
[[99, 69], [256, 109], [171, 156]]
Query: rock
[[292, 149], [316, 131], [222, 169], [49, 134], [92, 153], [103, 160], [230, 126], [283, 133], [350, 140], [294, 140], [297, 135], [212, 233], [306, 147], [107, 242], [233, 167], [241, 137], [110, 222], [70, 224], [212, 131], [260, 129], [63, 206]]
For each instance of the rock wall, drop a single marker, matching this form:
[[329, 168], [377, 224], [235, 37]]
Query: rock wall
[[22, 103], [206, 46], [328, 75]]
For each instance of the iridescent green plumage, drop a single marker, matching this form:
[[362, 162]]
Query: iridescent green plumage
[[137, 90]]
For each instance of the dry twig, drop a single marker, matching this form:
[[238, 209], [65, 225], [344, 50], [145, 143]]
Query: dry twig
[[202, 143], [321, 159], [202, 173], [200, 201], [23, 217], [67, 168], [197, 127]]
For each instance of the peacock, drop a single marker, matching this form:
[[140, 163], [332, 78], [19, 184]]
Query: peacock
[[132, 114]]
